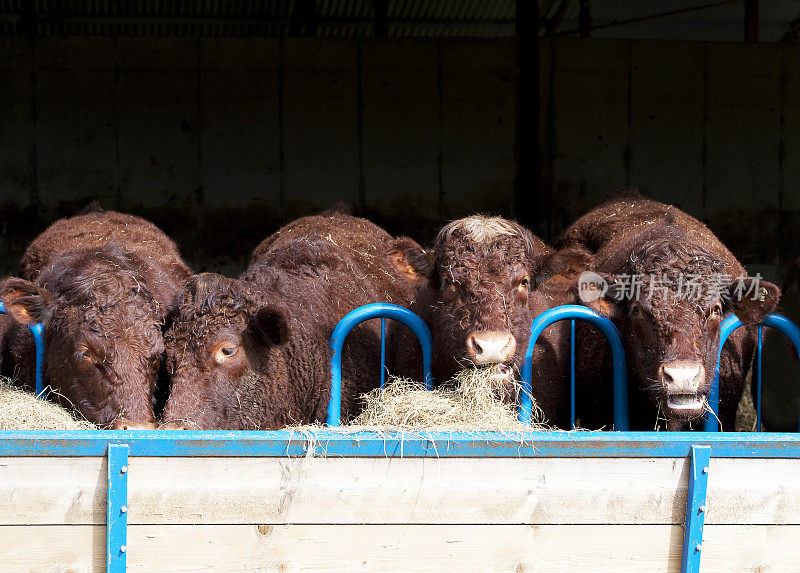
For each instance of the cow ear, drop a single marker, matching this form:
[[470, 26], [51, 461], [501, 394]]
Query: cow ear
[[753, 299], [271, 326], [410, 259], [562, 268], [26, 302]]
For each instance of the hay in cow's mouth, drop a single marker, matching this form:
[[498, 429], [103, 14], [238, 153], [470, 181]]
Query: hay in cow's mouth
[[21, 410]]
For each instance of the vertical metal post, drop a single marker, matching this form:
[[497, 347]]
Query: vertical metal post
[[117, 509], [383, 352], [751, 20], [695, 509], [38, 342], [758, 378], [572, 374]]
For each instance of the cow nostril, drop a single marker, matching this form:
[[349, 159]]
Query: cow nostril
[[491, 347]]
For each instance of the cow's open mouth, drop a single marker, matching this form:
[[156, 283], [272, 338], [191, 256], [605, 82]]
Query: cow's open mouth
[[501, 372], [685, 402]]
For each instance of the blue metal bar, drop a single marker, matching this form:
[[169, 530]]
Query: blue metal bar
[[383, 352], [356, 317], [572, 374], [758, 378], [695, 509], [117, 509], [293, 443], [620, 370], [38, 343], [730, 324]]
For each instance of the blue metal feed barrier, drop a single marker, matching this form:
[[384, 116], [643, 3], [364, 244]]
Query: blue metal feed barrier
[[356, 317], [620, 371], [38, 342], [728, 326]]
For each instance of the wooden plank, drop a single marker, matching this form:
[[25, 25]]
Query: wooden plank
[[69, 490], [49, 491], [400, 547]]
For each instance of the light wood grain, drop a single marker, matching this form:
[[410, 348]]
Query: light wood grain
[[553, 548], [52, 491]]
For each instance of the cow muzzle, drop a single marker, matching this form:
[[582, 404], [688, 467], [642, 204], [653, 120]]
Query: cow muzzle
[[682, 380], [490, 347]]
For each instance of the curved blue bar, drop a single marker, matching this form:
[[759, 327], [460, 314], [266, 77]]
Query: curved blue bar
[[776, 321], [38, 342], [356, 317], [620, 370]]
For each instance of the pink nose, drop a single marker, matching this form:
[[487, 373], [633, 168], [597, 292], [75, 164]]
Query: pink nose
[[123, 424], [490, 347], [681, 376]]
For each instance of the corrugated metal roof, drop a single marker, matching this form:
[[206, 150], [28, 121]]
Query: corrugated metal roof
[[691, 20], [701, 20], [475, 18]]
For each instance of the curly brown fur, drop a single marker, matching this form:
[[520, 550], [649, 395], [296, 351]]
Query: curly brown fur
[[488, 274], [660, 325], [102, 284], [252, 353]]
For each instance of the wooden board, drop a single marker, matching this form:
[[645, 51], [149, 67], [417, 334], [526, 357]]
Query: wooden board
[[52, 491], [551, 548]]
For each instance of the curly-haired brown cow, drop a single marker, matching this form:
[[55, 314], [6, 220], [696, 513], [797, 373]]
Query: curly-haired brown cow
[[252, 353], [101, 284], [648, 253], [480, 288]]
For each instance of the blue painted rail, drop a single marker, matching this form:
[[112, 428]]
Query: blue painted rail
[[356, 317], [728, 326], [620, 371], [38, 342]]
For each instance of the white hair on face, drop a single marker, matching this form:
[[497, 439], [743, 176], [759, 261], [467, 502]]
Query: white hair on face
[[480, 228]]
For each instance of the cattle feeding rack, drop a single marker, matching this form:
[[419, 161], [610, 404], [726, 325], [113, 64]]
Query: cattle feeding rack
[[288, 499]]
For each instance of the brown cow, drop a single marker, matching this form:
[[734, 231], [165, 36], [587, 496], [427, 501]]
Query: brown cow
[[252, 353], [486, 279], [671, 282], [101, 284]]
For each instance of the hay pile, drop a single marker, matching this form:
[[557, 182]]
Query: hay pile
[[472, 401], [20, 410]]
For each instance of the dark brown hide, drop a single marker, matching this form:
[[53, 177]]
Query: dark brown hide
[[671, 339], [487, 279], [252, 353], [102, 284]]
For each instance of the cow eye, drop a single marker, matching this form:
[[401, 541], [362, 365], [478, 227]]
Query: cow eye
[[524, 282], [635, 310], [448, 282], [717, 310], [83, 354], [225, 351]]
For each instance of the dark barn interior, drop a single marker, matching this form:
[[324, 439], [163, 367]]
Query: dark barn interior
[[220, 121]]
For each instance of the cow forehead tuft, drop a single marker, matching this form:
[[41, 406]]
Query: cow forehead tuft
[[478, 228]]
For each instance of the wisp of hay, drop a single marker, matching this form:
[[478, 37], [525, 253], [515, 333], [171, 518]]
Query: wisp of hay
[[472, 401], [20, 410]]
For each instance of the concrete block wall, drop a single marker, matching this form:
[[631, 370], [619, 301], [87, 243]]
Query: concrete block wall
[[713, 128], [221, 140]]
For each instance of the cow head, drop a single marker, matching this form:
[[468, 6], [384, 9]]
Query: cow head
[[668, 304], [225, 354], [483, 288], [102, 333]]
